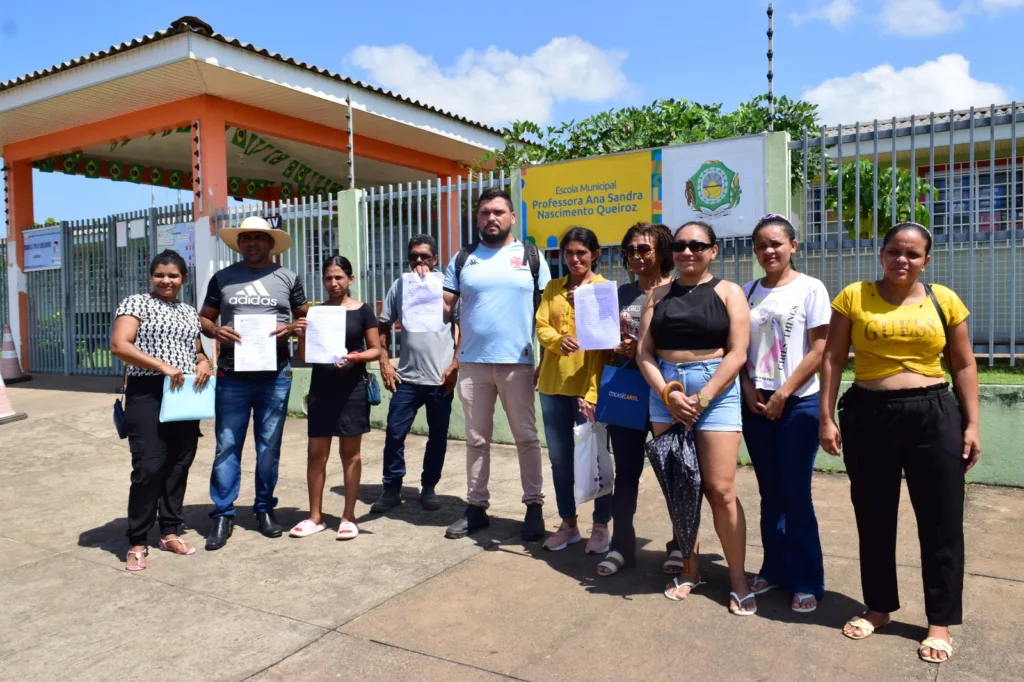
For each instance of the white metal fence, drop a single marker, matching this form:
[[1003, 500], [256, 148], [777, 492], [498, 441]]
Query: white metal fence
[[71, 309], [975, 207], [312, 224], [392, 215]]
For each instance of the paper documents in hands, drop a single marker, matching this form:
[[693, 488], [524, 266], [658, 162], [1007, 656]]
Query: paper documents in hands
[[257, 351], [597, 316], [423, 302], [325, 334]]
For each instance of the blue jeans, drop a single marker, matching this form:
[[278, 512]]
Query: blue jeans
[[405, 403], [783, 453], [267, 400], [561, 413], [722, 414]]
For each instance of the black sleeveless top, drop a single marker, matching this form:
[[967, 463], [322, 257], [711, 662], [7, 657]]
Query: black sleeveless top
[[690, 318]]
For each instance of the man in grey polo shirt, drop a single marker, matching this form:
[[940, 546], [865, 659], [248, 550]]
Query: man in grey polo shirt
[[428, 369]]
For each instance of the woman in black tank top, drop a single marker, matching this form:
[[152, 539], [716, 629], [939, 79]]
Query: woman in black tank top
[[693, 342]]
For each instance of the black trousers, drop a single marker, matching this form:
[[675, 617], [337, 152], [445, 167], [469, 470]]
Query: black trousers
[[628, 451], [161, 457], [917, 432]]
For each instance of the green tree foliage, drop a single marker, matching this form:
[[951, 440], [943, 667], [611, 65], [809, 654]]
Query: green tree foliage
[[864, 222], [661, 123], [679, 121]]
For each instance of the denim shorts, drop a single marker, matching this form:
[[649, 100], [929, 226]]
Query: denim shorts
[[723, 414]]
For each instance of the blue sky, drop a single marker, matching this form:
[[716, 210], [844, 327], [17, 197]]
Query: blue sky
[[555, 60]]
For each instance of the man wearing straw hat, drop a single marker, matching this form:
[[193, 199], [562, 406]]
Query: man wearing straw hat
[[254, 286]]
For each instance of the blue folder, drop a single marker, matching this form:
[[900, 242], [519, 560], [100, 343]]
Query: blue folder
[[186, 403]]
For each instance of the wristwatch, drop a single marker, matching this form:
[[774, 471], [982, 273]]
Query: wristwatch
[[702, 400]]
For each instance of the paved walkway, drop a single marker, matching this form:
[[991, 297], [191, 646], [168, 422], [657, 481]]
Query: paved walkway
[[401, 602]]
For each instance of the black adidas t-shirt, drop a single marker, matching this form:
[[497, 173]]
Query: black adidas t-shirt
[[241, 290]]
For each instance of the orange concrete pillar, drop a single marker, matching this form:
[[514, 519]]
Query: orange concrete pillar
[[210, 193], [211, 156], [20, 215]]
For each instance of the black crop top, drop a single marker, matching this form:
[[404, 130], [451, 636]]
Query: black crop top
[[690, 318]]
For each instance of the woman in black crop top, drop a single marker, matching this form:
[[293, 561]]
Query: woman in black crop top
[[693, 343], [337, 402]]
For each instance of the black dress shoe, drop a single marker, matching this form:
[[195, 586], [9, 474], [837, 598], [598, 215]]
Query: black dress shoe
[[268, 525], [429, 499], [472, 520], [533, 524], [218, 537], [389, 499]]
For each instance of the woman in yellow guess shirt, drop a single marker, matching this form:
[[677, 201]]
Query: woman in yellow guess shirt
[[900, 417], [567, 382]]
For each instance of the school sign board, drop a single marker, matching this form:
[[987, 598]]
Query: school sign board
[[722, 182], [42, 248]]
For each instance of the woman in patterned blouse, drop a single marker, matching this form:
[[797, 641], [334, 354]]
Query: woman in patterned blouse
[[156, 335]]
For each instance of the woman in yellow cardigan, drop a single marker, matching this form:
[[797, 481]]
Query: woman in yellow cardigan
[[567, 381]]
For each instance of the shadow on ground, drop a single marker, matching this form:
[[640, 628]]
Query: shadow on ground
[[111, 535]]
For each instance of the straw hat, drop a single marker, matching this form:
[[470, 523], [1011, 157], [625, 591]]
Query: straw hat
[[229, 235]]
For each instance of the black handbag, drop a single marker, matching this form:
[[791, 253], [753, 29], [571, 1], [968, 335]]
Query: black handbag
[[122, 430]]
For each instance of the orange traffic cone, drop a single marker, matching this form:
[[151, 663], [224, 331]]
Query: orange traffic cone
[[7, 413], [10, 366]]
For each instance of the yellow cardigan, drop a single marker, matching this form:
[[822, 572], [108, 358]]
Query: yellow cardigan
[[578, 374]]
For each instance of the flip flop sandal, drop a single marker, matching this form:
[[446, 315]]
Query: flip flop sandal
[[305, 528], [674, 564], [168, 546], [140, 565], [935, 644], [865, 626], [347, 531], [758, 579], [740, 611], [613, 562], [801, 597], [677, 585]]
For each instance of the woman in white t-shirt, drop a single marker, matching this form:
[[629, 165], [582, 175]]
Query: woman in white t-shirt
[[789, 316]]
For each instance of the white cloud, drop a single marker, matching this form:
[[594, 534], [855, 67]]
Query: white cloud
[[922, 17], [883, 92], [836, 12], [996, 5], [496, 86]]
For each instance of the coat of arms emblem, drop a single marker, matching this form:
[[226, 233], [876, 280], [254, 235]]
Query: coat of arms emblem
[[713, 190]]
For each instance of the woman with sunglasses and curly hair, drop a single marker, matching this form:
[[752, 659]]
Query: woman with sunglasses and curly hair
[[899, 417], [693, 343]]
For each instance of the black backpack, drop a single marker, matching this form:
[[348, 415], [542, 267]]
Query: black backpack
[[532, 257]]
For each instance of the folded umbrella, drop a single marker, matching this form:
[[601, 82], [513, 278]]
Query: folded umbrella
[[673, 457]]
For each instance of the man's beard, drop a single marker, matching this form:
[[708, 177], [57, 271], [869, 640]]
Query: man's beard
[[495, 239]]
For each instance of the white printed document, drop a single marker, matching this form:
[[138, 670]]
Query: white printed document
[[423, 302], [597, 316], [325, 334], [257, 351]]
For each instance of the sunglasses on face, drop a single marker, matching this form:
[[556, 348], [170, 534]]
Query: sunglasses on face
[[418, 257], [695, 246], [642, 250]]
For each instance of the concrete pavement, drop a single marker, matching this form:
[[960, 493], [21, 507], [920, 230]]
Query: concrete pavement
[[401, 602]]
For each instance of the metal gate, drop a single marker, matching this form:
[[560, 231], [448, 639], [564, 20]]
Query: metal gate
[[71, 309]]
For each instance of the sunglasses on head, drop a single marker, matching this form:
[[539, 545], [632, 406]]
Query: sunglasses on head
[[695, 246], [639, 250]]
